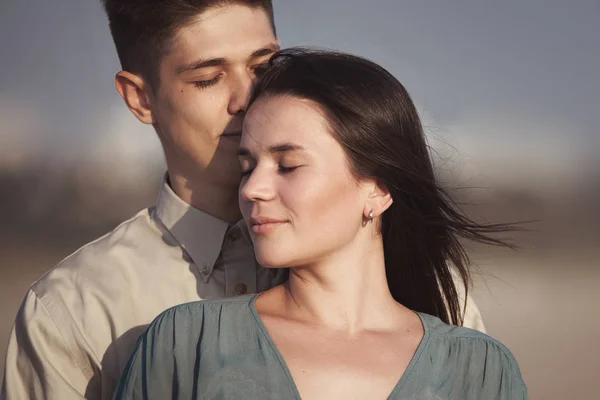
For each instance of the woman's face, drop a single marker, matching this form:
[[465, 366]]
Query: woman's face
[[297, 195]]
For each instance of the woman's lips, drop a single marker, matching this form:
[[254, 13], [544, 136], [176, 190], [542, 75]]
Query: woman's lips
[[262, 225]]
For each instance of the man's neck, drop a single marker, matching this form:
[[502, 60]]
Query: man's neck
[[219, 201]]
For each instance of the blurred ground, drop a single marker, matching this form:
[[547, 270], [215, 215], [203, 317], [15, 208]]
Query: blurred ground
[[541, 301], [544, 308]]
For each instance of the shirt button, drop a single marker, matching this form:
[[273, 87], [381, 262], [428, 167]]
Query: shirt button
[[240, 289], [205, 270]]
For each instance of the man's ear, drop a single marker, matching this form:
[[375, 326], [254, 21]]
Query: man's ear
[[136, 94]]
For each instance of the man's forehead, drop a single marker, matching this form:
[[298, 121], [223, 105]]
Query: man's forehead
[[233, 32]]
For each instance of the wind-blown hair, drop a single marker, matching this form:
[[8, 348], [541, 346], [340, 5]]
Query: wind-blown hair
[[375, 121]]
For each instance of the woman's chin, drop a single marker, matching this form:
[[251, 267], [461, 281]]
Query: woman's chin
[[271, 261]]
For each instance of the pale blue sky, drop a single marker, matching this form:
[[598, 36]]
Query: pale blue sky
[[519, 78]]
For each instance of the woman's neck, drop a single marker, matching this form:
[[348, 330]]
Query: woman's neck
[[347, 291]]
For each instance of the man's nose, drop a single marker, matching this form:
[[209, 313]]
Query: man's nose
[[241, 90]]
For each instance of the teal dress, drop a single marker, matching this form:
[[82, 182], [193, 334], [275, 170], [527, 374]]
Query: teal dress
[[221, 350]]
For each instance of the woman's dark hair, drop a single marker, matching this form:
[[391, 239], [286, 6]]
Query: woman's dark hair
[[374, 119]]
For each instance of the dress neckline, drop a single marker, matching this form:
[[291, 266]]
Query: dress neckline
[[397, 388]]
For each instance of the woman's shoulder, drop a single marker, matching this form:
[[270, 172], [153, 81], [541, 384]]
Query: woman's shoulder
[[231, 304], [471, 356], [468, 343], [171, 345], [438, 329], [197, 319]]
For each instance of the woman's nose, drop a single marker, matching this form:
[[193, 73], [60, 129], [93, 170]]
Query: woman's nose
[[258, 186]]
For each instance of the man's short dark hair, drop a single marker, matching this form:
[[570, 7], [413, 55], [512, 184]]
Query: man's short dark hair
[[143, 29]]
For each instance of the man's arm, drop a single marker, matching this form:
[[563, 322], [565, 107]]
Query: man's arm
[[471, 315], [40, 363], [472, 318]]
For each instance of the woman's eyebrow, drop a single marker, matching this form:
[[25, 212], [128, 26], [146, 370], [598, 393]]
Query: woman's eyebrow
[[277, 148]]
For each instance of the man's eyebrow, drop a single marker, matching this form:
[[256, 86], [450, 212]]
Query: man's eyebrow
[[278, 148], [213, 62], [265, 51], [217, 62]]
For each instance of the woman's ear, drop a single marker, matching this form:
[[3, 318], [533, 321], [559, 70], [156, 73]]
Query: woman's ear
[[136, 94], [379, 199]]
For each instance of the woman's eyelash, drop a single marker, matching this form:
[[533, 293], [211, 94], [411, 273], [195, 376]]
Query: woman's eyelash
[[208, 83], [286, 170], [283, 170]]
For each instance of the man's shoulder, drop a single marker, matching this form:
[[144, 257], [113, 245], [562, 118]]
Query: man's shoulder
[[102, 256]]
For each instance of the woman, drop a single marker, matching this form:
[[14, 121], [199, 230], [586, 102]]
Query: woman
[[338, 187]]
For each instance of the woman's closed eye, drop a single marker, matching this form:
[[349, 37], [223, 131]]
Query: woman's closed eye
[[287, 170], [281, 169], [247, 172], [247, 165]]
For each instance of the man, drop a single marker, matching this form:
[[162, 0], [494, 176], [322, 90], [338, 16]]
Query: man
[[188, 68]]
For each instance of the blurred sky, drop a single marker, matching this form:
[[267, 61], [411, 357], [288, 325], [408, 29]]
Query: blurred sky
[[513, 85]]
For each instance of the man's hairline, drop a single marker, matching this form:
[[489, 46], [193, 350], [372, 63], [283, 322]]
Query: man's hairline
[[155, 83]]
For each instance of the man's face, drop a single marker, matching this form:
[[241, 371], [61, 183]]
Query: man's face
[[205, 82]]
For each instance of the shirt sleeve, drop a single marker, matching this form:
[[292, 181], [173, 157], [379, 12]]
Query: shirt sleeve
[[472, 318], [39, 362], [476, 366], [500, 377]]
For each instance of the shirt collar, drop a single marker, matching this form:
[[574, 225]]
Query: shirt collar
[[243, 227], [199, 234]]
